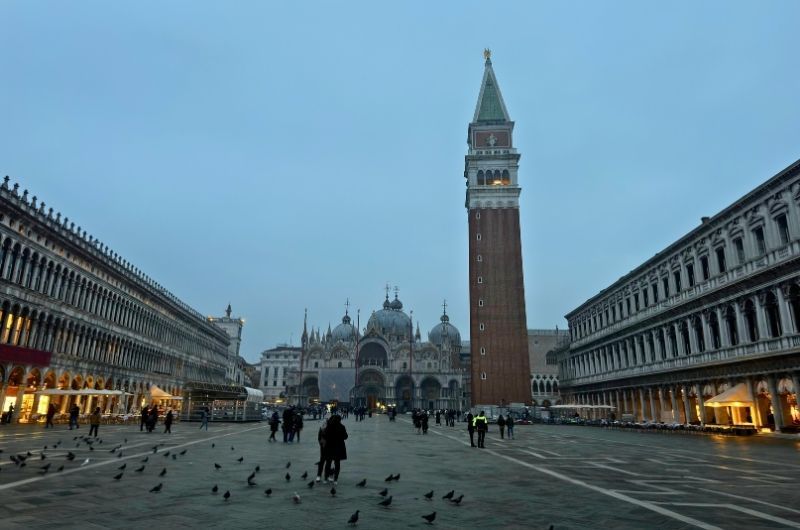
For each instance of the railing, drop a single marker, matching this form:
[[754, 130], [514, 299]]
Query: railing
[[738, 353]]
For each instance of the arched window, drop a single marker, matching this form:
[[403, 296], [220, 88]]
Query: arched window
[[697, 324], [730, 322], [713, 326], [506, 178], [481, 178], [339, 364], [751, 320], [773, 315]]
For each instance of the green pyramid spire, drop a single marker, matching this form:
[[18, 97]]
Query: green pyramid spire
[[490, 102]]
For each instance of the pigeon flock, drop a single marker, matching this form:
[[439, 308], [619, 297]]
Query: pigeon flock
[[222, 468]]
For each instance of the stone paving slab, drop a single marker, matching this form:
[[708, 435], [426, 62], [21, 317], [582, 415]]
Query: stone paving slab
[[567, 476]]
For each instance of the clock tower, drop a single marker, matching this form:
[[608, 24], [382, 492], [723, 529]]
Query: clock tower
[[500, 367]]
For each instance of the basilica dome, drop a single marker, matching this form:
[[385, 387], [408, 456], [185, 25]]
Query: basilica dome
[[391, 320], [445, 331], [345, 331]]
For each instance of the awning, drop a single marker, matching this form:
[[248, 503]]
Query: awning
[[254, 395], [738, 396], [157, 393], [82, 392]]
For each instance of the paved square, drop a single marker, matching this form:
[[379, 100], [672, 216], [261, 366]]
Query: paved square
[[570, 477]]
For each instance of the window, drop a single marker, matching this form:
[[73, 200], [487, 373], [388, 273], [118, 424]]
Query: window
[[665, 282], [480, 302], [483, 350], [677, 277], [721, 259], [480, 279], [628, 306], [636, 300], [274, 383], [339, 364], [478, 236], [654, 287], [477, 215], [483, 375], [738, 244], [704, 267], [316, 364], [481, 327], [479, 258], [405, 365], [690, 275], [644, 295], [481, 178], [761, 245], [783, 228], [613, 314]]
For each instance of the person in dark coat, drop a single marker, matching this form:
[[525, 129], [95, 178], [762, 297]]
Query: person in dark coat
[[168, 422], [51, 412], [335, 450], [288, 414], [510, 427], [274, 421], [471, 429], [74, 412], [424, 421], [145, 415], [152, 418], [297, 426], [501, 423]]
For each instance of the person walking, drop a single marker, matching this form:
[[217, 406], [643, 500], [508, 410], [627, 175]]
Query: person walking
[[471, 429], [74, 411], [51, 412], [425, 422], [204, 417], [168, 422], [321, 442], [94, 422], [152, 418], [143, 420], [501, 423], [335, 448], [10, 414], [481, 425], [438, 417], [287, 424], [274, 421], [297, 425], [510, 427]]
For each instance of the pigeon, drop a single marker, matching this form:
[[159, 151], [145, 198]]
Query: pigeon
[[113, 450], [91, 448], [384, 492], [183, 452], [231, 448], [119, 455], [60, 468], [85, 462], [288, 477], [362, 483], [288, 465], [156, 489], [458, 499], [217, 466], [258, 468], [30, 454], [353, 519], [449, 494], [397, 477], [145, 459], [166, 454], [304, 475], [123, 466], [139, 470], [240, 459], [296, 498], [429, 495], [42, 457], [333, 492], [430, 517], [155, 449], [44, 469], [126, 440], [268, 492], [215, 489], [389, 478], [250, 482], [386, 502], [23, 464], [226, 495], [252, 476], [310, 484], [163, 472], [213, 446], [117, 477]]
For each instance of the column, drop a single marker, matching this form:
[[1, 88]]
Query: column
[[641, 402], [687, 408], [652, 405], [679, 340], [758, 421], [675, 414], [692, 337], [724, 337], [701, 404], [777, 409], [741, 325], [637, 351], [707, 339], [660, 392], [787, 326], [667, 342], [761, 317]]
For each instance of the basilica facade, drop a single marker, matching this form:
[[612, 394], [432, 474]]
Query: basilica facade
[[385, 364]]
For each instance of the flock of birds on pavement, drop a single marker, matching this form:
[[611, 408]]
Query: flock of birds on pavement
[[385, 502]]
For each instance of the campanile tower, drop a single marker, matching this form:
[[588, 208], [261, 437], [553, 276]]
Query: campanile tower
[[498, 326]]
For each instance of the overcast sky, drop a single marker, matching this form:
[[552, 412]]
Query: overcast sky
[[282, 156]]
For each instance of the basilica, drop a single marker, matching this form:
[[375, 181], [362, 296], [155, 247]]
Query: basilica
[[385, 364]]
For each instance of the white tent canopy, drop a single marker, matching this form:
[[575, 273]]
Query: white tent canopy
[[739, 396], [579, 406]]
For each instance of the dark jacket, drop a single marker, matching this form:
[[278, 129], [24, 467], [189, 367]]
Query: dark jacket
[[168, 418], [334, 436], [501, 422], [509, 422], [274, 421], [470, 426], [298, 421]]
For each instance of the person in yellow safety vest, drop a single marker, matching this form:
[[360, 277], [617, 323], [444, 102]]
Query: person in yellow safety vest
[[481, 424]]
